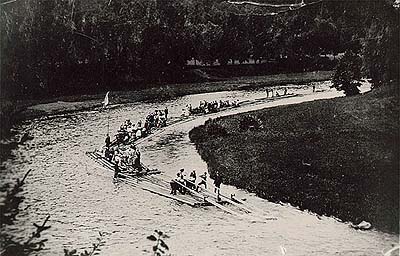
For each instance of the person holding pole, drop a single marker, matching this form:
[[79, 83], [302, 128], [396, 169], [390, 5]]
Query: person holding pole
[[203, 180]]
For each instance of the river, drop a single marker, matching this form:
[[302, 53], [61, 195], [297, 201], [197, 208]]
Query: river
[[83, 199]]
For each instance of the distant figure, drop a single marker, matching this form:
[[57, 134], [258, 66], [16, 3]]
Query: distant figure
[[174, 184], [217, 182], [267, 91], [285, 91], [313, 88], [108, 154], [166, 113], [137, 163], [116, 169], [192, 180], [203, 180], [181, 173], [181, 179], [108, 141]]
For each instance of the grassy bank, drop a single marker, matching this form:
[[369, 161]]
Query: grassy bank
[[335, 157]]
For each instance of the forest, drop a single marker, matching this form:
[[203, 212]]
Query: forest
[[62, 47]]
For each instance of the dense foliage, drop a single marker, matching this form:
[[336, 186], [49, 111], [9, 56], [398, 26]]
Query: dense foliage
[[348, 73], [65, 46]]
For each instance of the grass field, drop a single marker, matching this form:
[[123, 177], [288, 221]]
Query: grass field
[[335, 157]]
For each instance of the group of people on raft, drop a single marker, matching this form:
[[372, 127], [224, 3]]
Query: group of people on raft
[[182, 184], [206, 107], [122, 152], [123, 157], [277, 94], [129, 132]]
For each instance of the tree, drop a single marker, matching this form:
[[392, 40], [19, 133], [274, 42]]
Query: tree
[[380, 46], [348, 73]]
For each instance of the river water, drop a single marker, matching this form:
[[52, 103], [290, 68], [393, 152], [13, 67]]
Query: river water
[[83, 199]]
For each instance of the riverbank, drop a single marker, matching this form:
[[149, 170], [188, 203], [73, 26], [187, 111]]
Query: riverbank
[[13, 112], [336, 157]]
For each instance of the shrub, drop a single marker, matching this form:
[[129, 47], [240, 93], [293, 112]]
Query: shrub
[[348, 73]]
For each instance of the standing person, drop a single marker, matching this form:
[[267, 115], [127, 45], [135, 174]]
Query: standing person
[[192, 179], [203, 180], [138, 164], [182, 174], [163, 120], [174, 185], [108, 141], [267, 92], [313, 88], [181, 179], [107, 153], [166, 113], [285, 91], [116, 169], [217, 184]]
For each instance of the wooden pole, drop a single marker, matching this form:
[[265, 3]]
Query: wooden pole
[[108, 124]]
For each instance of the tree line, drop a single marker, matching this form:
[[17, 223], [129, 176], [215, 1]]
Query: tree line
[[51, 48]]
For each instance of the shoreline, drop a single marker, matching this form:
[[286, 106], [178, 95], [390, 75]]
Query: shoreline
[[330, 157], [69, 104], [14, 113]]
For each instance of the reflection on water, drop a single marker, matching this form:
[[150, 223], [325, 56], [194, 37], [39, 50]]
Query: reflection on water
[[82, 198]]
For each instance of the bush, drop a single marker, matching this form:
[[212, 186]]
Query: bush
[[250, 123], [213, 128], [348, 73]]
